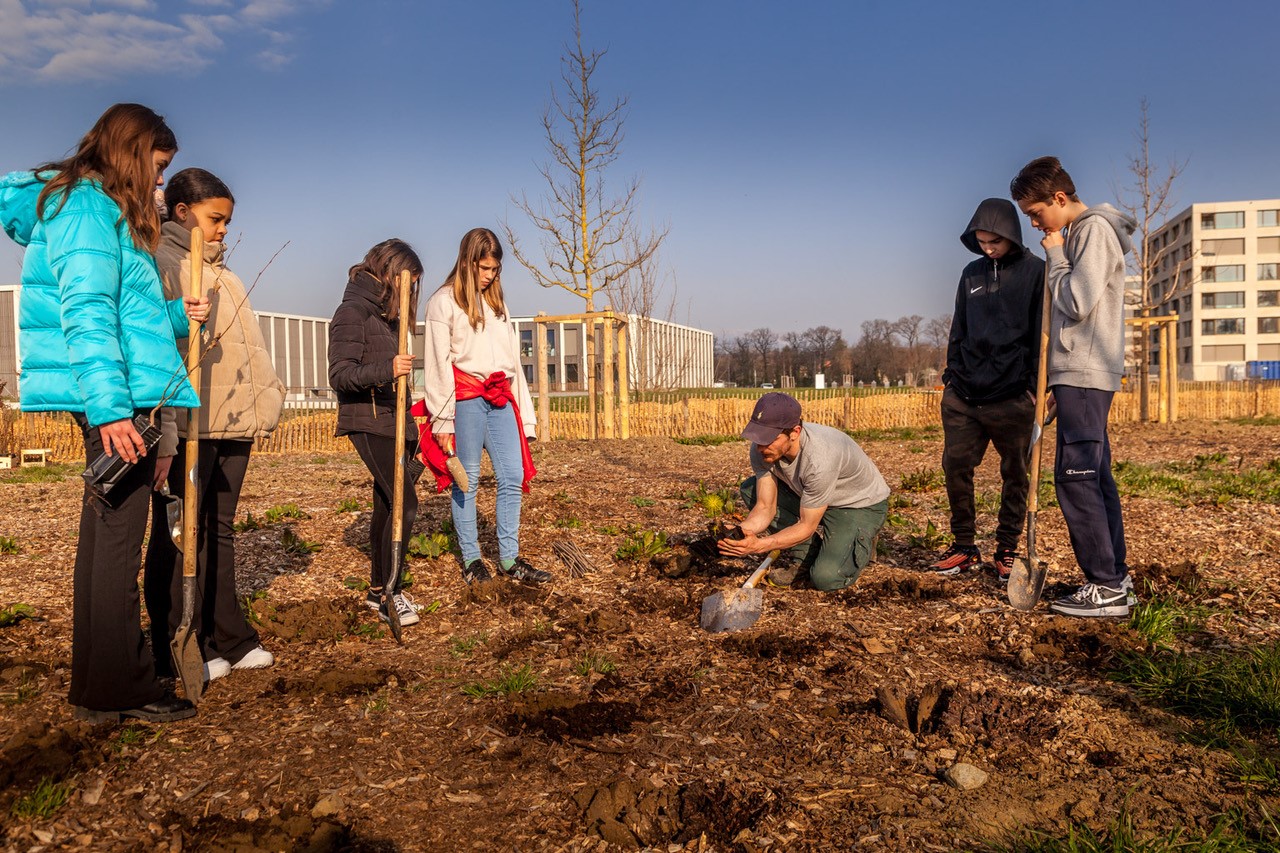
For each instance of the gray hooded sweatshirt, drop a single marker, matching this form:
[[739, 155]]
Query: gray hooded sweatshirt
[[1086, 323]]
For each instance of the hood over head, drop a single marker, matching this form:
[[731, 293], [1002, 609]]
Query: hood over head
[[19, 192], [999, 216], [1123, 224]]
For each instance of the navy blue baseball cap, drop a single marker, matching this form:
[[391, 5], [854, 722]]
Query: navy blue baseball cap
[[773, 415]]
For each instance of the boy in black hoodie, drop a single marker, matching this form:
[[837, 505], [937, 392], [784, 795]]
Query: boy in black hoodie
[[990, 381]]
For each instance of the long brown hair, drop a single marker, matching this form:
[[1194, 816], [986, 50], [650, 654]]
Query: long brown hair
[[385, 262], [117, 150], [477, 244]]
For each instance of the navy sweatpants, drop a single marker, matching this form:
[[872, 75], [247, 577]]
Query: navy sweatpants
[[1085, 486]]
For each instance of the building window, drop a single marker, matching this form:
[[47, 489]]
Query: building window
[[1268, 218], [1222, 353], [1225, 272], [571, 373], [528, 373], [1225, 326], [1269, 298], [1269, 245], [526, 343], [1232, 219], [1269, 352], [551, 343], [1184, 329], [1234, 246], [1269, 325], [1230, 299], [1268, 272]]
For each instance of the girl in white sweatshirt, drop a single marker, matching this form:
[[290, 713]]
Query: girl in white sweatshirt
[[479, 400]]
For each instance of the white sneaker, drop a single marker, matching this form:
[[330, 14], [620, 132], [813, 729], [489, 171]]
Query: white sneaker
[[408, 616], [1127, 586], [258, 658], [216, 668], [417, 608]]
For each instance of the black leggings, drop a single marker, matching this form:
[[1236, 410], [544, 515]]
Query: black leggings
[[378, 454]]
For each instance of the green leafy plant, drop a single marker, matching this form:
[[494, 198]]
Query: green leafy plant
[[359, 584], [15, 613], [284, 512], [609, 529], [21, 692], [922, 480], [642, 545], [131, 735], [642, 501], [379, 704], [42, 802], [569, 523], [593, 662], [713, 502], [930, 538], [511, 680], [249, 523], [296, 545], [369, 631], [8, 545], [429, 545], [350, 505]]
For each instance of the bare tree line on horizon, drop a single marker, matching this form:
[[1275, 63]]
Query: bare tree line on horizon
[[911, 350]]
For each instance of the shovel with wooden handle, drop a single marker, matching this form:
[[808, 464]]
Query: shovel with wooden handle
[[187, 659], [1026, 580], [739, 608], [397, 488]]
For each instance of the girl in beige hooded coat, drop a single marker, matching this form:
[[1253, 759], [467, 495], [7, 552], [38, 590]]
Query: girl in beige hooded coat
[[240, 401]]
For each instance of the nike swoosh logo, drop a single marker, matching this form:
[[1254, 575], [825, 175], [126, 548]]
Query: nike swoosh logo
[[976, 289]]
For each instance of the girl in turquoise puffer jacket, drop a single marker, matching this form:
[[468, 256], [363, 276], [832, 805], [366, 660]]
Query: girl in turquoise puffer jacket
[[98, 340]]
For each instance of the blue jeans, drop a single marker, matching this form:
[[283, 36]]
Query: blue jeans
[[479, 425]]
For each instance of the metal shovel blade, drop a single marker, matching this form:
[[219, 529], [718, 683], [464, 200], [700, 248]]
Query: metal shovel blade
[[731, 610], [1026, 582], [185, 647], [173, 515]]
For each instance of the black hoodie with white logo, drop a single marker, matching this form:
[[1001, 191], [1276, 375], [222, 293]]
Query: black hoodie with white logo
[[995, 331]]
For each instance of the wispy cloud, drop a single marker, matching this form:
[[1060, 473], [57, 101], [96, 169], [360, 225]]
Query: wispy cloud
[[75, 40]]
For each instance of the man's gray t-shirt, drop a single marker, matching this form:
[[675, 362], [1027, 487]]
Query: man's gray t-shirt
[[830, 470]]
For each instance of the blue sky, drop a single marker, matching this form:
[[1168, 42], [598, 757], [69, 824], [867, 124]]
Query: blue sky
[[815, 162]]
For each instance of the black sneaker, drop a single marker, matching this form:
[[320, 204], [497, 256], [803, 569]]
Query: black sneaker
[[1003, 563], [522, 571], [477, 571], [1093, 600], [955, 559]]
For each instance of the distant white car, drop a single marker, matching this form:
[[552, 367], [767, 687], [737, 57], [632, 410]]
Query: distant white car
[[766, 384]]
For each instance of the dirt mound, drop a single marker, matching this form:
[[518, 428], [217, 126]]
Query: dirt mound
[[293, 832], [37, 751], [557, 716], [783, 647], [638, 814], [922, 588], [305, 621], [1012, 726], [335, 682]]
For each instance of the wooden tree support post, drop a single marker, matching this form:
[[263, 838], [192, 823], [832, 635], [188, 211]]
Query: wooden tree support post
[[544, 383], [607, 342], [1167, 332], [624, 376]]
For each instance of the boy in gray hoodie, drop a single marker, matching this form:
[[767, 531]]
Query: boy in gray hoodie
[[1086, 362]]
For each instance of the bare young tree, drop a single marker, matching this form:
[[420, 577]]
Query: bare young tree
[[763, 342], [1149, 200], [588, 237]]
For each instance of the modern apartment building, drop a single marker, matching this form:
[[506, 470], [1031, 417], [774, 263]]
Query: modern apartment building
[[1222, 265], [661, 355]]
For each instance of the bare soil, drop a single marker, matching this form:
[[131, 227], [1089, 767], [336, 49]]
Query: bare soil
[[828, 724]]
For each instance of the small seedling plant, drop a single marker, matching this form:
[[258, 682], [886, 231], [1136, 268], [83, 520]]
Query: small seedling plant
[[511, 680], [296, 545], [8, 545], [713, 502], [15, 613], [642, 545], [593, 661], [44, 801]]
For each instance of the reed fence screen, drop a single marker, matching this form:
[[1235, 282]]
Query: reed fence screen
[[682, 414]]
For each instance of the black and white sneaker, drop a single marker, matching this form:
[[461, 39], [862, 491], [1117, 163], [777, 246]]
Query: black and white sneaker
[[477, 571], [373, 601], [1093, 600], [407, 612], [1127, 586], [522, 571]]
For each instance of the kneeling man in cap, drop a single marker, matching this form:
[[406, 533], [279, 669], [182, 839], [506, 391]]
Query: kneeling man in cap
[[814, 492]]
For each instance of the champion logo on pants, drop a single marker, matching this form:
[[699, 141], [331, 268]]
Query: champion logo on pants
[[1073, 471]]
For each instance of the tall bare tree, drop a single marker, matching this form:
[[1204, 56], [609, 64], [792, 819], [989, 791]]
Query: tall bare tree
[[589, 238], [763, 341], [1149, 200]]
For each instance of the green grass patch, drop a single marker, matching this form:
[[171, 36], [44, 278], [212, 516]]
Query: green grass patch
[[1231, 833], [40, 474], [567, 523], [1207, 478], [43, 801], [8, 545], [1161, 620], [708, 440], [639, 501], [896, 433], [1234, 690], [350, 505], [511, 680], [593, 662], [1261, 420], [461, 647]]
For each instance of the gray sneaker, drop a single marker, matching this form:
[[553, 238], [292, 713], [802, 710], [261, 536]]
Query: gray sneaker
[[1127, 586], [1092, 600]]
